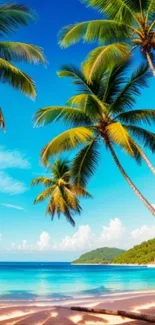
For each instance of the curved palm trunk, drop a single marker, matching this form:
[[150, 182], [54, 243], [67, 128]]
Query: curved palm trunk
[[2, 123], [147, 160], [148, 55], [134, 188]]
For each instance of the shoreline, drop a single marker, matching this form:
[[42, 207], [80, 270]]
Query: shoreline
[[99, 264], [49, 312]]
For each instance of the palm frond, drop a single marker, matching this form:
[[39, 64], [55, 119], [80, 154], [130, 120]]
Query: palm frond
[[46, 181], [92, 31], [44, 195], [90, 104], [78, 78], [2, 122], [69, 217], [104, 56], [137, 116], [120, 10], [85, 163], [16, 78], [80, 191], [150, 14], [146, 137], [120, 136], [71, 200], [62, 206], [13, 15], [114, 79], [70, 115], [67, 140], [126, 97], [136, 152], [17, 51], [60, 168]]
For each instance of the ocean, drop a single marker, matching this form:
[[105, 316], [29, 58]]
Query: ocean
[[54, 281]]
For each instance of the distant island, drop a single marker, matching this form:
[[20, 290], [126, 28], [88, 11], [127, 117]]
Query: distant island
[[140, 254], [104, 255]]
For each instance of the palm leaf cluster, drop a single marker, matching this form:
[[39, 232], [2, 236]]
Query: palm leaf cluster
[[12, 16], [61, 192], [101, 114], [129, 24]]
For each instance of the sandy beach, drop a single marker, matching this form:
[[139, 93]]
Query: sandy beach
[[49, 313]]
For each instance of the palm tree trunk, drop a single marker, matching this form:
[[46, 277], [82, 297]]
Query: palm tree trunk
[[148, 55], [147, 160], [134, 188]]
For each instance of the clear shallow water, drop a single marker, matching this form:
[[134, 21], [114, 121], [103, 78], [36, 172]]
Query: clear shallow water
[[63, 280]]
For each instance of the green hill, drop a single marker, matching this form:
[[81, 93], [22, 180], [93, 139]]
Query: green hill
[[140, 254], [99, 256]]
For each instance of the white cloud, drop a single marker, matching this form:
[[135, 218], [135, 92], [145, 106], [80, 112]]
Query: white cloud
[[13, 159], [22, 246], [143, 234], [112, 233], [13, 245], [44, 241], [11, 206], [84, 238], [81, 239], [10, 185]]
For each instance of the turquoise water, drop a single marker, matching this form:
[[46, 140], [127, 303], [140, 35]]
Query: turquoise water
[[63, 280]]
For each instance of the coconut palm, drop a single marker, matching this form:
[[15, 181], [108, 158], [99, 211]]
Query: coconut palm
[[101, 114], [2, 123], [62, 192], [132, 21], [13, 16]]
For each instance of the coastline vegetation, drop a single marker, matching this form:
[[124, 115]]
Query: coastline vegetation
[[104, 255], [140, 254]]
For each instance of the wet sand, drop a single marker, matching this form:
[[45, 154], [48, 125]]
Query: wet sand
[[49, 312]]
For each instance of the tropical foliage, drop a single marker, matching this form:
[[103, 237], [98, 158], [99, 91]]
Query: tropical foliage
[[62, 193], [13, 16], [129, 24], [140, 254], [99, 256], [101, 114]]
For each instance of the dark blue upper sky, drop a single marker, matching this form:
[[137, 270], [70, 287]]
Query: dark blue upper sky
[[112, 197]]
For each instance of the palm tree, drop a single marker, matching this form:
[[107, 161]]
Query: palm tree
[[101, 114], [127, 20], [2, 123], [62, 192], [12, 16]]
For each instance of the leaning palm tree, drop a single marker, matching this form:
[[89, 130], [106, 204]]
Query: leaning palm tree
[[2, 123], [13, 16], [130, 21], [62, 192], [101, 114]]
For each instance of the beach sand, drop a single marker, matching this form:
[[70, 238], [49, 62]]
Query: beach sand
[[49, 313]]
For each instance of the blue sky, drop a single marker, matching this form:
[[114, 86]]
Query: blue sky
[[115, 217]]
